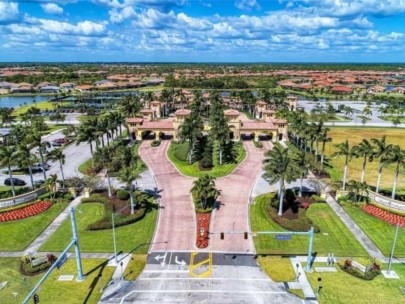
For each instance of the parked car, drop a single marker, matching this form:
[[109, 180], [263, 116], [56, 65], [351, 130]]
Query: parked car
[[56, 144], [16, 182]]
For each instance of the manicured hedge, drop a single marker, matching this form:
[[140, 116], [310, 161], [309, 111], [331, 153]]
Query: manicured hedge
[[123, 195], [18, 191], [156, 143], [106, 222], [258, 144]]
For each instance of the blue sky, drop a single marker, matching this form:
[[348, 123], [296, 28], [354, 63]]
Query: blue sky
[[203, 30]]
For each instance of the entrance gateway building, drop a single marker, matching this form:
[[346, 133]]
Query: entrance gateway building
[[265, 123]]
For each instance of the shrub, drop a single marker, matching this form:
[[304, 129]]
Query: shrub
[[371, 273], [258, 144], [156, 143], [318, 199], [44, 196], [68, 196], [206, 163], [123, 195], [18, 191]]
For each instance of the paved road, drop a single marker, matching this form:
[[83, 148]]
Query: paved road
[[176, 226], [229, 283]]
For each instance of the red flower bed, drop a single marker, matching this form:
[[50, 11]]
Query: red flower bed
[[203, 224], [385, 215], [25, 212]]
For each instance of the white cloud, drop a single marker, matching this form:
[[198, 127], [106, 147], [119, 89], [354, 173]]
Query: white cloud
[[8, 11], [52, 8], [247, 5]]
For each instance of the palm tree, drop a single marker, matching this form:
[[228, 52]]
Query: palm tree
[[128, 176], [104, 157], [50, 184], [302, 166], [324, 139], [57, 154], [219, 126], [87, 134], [381, 151], [279, 167], [35, 139], [365, 150], [204, 189], [7, 158], [25, 159], [397, 156], [358, 188], [6, 116], [343, 149]]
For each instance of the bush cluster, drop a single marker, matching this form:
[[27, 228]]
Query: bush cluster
[[258, 144], [27, 269], [18, 191], [106, 223], [156, 143], [123, 195], [346, 265], [207, 162]]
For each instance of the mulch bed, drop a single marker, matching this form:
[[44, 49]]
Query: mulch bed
[[117, 203], [203, 224]]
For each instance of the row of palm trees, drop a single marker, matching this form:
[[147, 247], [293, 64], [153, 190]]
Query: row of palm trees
[[376, 149]]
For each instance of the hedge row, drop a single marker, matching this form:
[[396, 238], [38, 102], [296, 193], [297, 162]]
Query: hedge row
[[301, 224], [258, 144], [18, 191], [106, 223], [156, 143]]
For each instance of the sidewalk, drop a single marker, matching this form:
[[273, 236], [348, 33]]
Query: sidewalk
[[44, 236], [368, 245], [303, 282]]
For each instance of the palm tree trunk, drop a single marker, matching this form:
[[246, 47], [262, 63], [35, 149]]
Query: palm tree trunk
[[11, 180], [190, 152], [132, 199], [91, 149], [301, 179], [108, 139], [280, 209], [323, 154], [120, 128], [363, 169], [102, 141], [316, 150], [32, 179], [63, 175], [344, 176], [394, 187], [109, 185], [220, 154], [41, 155], [377, 189]]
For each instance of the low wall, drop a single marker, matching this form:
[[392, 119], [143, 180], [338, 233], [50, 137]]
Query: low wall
[[386, 202], [21, 199]]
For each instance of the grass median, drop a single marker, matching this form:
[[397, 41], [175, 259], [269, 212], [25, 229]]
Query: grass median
[[333, 236]]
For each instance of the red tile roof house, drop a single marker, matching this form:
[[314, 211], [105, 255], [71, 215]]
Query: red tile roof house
[[398, 90], [341, 90]]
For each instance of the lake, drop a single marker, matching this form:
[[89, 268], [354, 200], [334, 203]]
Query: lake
[[16, 101]]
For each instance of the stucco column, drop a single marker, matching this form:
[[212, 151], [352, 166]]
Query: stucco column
[[256, 136]]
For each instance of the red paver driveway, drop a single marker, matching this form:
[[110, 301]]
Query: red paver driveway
[[233, 213], [176, 225]]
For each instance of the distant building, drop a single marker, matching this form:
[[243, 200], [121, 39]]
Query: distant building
[[67, 86], [49, 89]]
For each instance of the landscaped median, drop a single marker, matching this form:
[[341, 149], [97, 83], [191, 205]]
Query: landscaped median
[[178, 155], [333, 235], [133, 232]]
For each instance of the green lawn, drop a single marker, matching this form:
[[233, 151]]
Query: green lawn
[[278, 268], [380, 232], [343, 288], [54, 291], [129, 237], [85, 166], [43, 105], [135, 266], [338, 240], [193, 170], [17, 235]]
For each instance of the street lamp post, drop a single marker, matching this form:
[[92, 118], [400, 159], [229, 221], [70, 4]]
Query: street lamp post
[[114, 241], [80, 275], [393, 249]]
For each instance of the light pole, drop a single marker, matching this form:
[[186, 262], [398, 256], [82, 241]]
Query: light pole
[[80, 275], [114, 241], [393, 249], [298, 273]]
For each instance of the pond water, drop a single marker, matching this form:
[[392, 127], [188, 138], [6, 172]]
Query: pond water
[[16, 101]]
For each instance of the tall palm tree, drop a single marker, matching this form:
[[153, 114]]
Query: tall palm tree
[[279, 167], [57, 154], [324, 139], [219, 126], [86, 133], [396, 156], [358, 188], [344, 150], [35, 138], [302, 166], [25, 159], [381, 151], [128, 176], [205, 190], [365, 150], [7, 158], [104, 157]]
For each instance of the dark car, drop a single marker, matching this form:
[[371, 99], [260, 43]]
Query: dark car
[[16, 182]]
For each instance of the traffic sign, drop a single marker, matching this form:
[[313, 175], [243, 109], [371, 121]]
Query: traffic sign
[[62, 261], [282, 237]]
